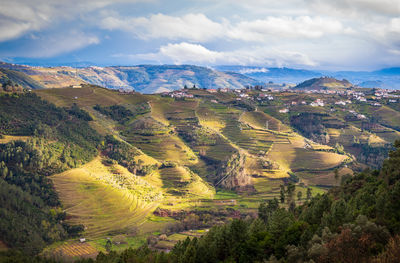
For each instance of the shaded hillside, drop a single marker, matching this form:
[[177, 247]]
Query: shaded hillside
[[54, 140], [13, 77], [324, 83]]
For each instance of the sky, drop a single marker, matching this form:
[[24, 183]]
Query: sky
[[311, 34]]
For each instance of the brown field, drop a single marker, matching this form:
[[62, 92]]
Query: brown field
[[72, 250]]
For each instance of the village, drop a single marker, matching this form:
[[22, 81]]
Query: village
[[328, 98]]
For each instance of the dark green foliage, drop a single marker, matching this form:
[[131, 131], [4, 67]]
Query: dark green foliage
[[26, 222], [124, 154], [79, 113], [15, 256], [309, 124], [120, 113], [18, 78], [21, 114], [30, 215], [199, 136], [115, 112], [245, 104]]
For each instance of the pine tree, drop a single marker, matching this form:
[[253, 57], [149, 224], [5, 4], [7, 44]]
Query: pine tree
[[309, 193], [282, 197], [299, 195]]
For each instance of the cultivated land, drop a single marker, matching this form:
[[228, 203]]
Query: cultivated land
[[192, 142]]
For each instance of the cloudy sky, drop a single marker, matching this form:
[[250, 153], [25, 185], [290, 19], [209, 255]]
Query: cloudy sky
[[313, 34]]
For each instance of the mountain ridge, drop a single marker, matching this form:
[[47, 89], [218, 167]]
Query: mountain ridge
[[142, 78]]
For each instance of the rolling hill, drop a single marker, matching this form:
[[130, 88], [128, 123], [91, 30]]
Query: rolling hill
[[324, 83], [18, 78], [126, 165]]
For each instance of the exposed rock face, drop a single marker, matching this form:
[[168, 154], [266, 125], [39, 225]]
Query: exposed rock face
[[233, 174]]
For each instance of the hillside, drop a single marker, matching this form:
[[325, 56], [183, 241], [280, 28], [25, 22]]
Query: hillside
[[142, 78], [13, 78], [324, 83], [180, 161]]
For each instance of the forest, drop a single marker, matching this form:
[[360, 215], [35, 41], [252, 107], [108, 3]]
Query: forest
[[59, 138]]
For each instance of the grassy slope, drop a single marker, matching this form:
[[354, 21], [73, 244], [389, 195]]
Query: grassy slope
[[101, 206], [98, 204], [21, 79]]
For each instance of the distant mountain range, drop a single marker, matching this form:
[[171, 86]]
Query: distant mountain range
[[142, 78], [159, 78], [384, 78]]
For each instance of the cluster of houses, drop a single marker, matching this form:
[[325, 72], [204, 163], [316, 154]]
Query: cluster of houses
[[358, 115], [348, 96], [317, 103], [177, 94], [343, 102], [224, 90], [262, 96]]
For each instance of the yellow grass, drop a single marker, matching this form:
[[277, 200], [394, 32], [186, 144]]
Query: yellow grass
[[9, 138], [259, 120], [209, 119], [183, 180], [89, 96], [157, 110], [72, 250], [100, 206], [295, 157]]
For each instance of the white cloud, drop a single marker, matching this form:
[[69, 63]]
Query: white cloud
[[182, 53], [18, 17], [387, 34], [13, 29], [193, 27], [265, 32], [359, 8], [253, 70], [288, 27], [199, 28], [62, 43]]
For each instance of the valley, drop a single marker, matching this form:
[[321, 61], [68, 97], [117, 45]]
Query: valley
[[172, 165]]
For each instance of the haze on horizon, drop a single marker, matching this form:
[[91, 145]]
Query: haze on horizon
[[312, 34]]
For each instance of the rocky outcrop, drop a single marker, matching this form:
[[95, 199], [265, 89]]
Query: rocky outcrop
[[232, 174]]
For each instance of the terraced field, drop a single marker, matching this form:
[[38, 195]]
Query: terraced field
[[181, 181], [72, 251], [109, 200], [261, 120], [100, 206]]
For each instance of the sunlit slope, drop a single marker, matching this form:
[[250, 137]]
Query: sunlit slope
[[160, 133], [181, 181], [88, 96], [261, 120], [98, 197]]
